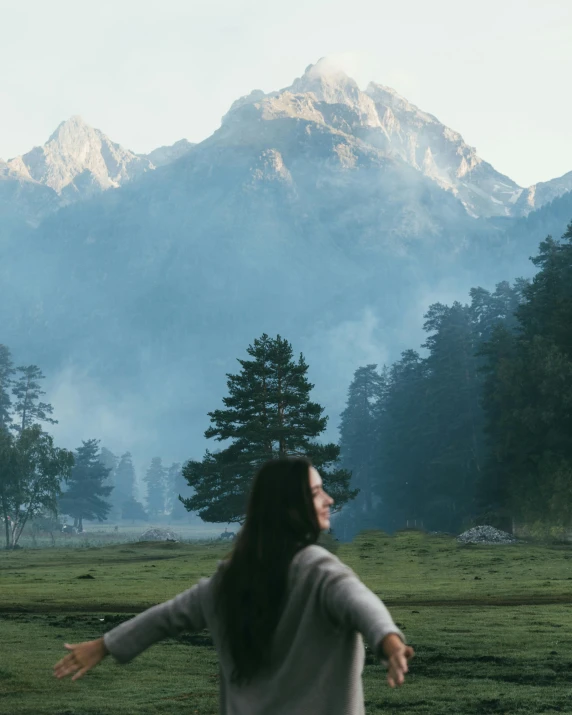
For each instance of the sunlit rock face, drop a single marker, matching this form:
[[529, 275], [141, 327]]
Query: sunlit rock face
[[76, 163], [79, 160], [543, 193], [389, 125], [387, 122]]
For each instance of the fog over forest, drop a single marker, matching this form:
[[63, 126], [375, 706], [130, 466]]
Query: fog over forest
[[350, 223]]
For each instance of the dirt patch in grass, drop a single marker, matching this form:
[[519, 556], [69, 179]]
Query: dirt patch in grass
[[432, 662], [390, 603], [483, 601]]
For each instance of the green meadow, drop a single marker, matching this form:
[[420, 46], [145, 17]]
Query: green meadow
[[491, 626]]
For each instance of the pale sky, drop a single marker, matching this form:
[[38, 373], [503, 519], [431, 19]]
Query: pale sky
[[150, 72]]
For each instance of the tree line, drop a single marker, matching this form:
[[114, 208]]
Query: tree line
[[268, 413], [479, 429], [39, 482], [31, 466]]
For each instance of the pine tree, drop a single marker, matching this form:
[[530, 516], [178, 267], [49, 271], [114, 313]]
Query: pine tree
[[85, 496], [172, 476], [132, 510], [6, 372], [268, 414], [110, 461], [27, 391], [527, 398], [488, 309], [547, 309], [155, 480], [403, 443], [124, 481], [181, 492], [455, 422], [358, 444]]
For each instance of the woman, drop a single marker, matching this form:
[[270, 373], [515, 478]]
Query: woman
[[286, 616]]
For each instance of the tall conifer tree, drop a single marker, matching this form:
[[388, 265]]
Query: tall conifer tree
[[155, 480], [528, 393], [125, 479], [358, 434], [268, 413], [86, 495], [27, 391]]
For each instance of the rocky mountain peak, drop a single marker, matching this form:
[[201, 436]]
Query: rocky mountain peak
[[78, 160], [328, 83], [442, 155], [390, 99], [71, 129], [380, 120]]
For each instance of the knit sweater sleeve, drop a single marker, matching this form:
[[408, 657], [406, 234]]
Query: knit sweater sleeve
[[349, 603], [184, 612]]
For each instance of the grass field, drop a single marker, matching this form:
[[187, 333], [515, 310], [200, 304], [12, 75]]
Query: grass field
[[491, 625]]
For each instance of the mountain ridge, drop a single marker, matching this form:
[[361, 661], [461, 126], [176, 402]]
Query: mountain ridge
[[298, 217], [78, 161]]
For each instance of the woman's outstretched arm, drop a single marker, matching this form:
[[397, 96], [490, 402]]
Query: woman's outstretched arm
[[184, 612], [350, 604]]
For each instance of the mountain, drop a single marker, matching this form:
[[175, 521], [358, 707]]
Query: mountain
[[79, 161], [76, 163], [382, 118], [167, 154], [442, 155], [327, 214], [538, 195], [23, 201]]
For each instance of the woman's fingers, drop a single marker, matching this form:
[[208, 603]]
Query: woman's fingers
[[65, 666], [397, 669], [409, 652], [81, 673], [70, 663]]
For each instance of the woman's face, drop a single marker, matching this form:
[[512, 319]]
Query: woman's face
[[322, 501]]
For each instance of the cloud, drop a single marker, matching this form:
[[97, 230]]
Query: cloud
[[339, 350], [353, 64], [85, 409]]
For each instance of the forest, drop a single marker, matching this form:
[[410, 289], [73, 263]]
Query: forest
[[472, 428]]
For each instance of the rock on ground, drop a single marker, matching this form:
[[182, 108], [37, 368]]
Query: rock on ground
[[155, 534], [486, 535]]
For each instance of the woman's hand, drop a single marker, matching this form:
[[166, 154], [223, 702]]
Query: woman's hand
[[81, 658], [397, 655]]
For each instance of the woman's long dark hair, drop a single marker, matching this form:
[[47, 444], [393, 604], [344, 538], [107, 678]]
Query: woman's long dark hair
[[280, 520]]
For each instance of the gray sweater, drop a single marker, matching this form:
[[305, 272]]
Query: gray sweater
[[318, 652]]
